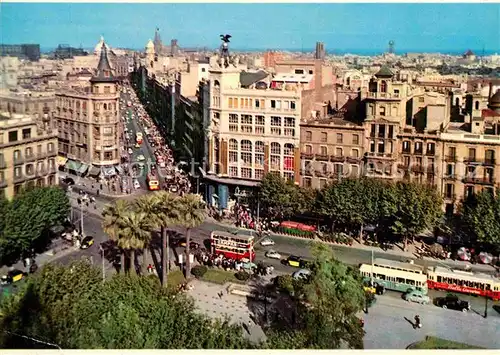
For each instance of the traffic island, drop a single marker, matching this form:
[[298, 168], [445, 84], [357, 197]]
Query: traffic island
[[431, 342], [220, 277]]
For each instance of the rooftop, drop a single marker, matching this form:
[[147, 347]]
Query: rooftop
[[294, 78]]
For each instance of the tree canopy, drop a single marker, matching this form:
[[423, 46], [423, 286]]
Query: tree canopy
[[326, 307], [278, 198], [71, 307], [481, 216], [28, 218]]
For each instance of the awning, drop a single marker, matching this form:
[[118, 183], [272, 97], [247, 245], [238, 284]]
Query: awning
[[60, 161], [72, 165], [94, 171], [108, 171], [119, 169], [83, 169]]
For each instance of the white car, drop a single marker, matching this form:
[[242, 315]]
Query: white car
[[141, 158], [267, 242], [137, 184], [271, 254], [130, 151]]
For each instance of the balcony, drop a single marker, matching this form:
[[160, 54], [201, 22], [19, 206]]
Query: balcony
[[418, 169], [384, 95], [450, 176], [482, 181], [306, 155], [321, 173], [373, 155], [52, 153], [403, 167], [471, 160], [353, 160], [41, 155], [321, 157], [406, 151], [30, 158], [52, 170], [306, 172], [450, 196], [489, 161], [431, 169], [19, 178], [418, 152], [3, 164], [450, 158], [40, 172], [430, 153], [337, 159], [18, 160]]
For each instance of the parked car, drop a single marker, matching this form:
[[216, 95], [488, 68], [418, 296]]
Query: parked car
[[267, 242], [130, 151], [271, 254], [301, 274], [453, 302], [141, 158], [12, 276], [417, 297], [137, 184], [68, 181], [296, 261]]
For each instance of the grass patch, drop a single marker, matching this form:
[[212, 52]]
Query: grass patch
[[220, 276], [438, 343], [175, 278]]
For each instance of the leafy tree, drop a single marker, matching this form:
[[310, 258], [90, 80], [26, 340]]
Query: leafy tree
[[28, 219], [113, 215], [4, 206], [326, 307], [192, 214], [480, 213], [418, 209], [277, 196], [71, 307]]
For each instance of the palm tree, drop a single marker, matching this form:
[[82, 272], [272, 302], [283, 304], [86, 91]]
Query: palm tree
[[192, 214], [134, 232], [113, 217], [167, 208], [148, 205]]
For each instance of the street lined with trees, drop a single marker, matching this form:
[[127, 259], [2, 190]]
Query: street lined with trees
[[398, 211]]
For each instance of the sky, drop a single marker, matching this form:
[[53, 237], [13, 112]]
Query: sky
[[343, 27]]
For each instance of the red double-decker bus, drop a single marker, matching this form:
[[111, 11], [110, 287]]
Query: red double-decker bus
[[232, 246]]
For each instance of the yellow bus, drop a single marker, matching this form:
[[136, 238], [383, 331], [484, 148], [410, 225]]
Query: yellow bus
[[395, 275]]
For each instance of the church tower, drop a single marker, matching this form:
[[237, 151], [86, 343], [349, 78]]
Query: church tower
[[150, 55]]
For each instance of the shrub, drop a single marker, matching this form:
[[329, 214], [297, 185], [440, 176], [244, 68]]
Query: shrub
[[242, 275], [284, 282], [199, 270]]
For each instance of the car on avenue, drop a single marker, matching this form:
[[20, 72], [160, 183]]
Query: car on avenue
[[453, 302], [302, 274], [12, 276], [267, 242], [271, 254], [130, 151], [137, 184], [87, 242], [416, 297], [141, 158]]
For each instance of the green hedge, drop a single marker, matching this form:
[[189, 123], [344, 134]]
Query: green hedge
[[296, 232]]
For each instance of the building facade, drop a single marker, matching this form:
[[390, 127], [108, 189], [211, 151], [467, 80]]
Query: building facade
[[88, 120], [22, 51], [252, 130], [28, 152], [39, 104]]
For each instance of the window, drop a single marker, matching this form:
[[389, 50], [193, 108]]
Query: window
[[307, 182], [107, 89], [381, 131], [275, 148], [472, 154], [246, 159], [233, 157], [230, 102], [383, 86], [273, 103], [275, 121], [391, 132], [431, 148], [18, 172], [373, 129], [418, 147], [246, 173], [340, 138], [246, 146], [259, 153], [29, 152], [355, 153], [233, 171], [257, 103], [324, 137], [259, 174], [323, 150], [450, 170], [292, 105], [233, 144], [381, 147], [339, 152], [12, 136], [289, 122], [30, 169], [382, 111], [107, 131], [17, 154], [309, 149], [233, 118], [355, 139], [299, 71], [246, 119], [309, 136], [26, 133], [372, 146], [260, 120], [421, 99]]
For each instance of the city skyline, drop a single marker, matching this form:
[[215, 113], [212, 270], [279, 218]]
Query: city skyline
[[350, 27]]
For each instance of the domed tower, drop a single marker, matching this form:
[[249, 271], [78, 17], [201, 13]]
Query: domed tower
[[494, 102], [150, 55]]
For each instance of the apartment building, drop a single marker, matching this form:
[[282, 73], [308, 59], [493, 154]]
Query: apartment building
[[470, 153], [28, 151], [37, 103], [88, 120], [252, 130], [332, 148]]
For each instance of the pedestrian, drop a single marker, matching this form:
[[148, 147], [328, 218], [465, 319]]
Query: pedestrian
[[98, 192]]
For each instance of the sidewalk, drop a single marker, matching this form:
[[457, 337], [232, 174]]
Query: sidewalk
[[85, 184], [396, 252], [49, 256]]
